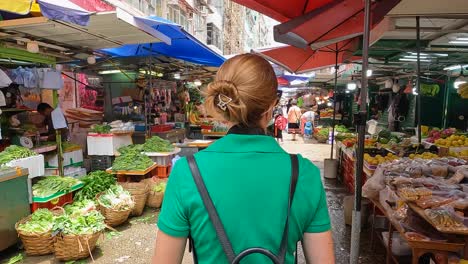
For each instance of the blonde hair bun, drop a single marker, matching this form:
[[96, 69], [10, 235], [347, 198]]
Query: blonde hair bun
[[243, 91]]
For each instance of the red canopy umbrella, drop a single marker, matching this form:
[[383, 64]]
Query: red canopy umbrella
[[335, 21], [283, 10], [298, 60]]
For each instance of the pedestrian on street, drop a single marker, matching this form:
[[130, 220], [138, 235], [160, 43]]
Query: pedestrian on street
[[280, 124], [244, 193], [294, 118]]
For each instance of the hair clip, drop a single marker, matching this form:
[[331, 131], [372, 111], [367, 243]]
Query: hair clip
[[223, 101]]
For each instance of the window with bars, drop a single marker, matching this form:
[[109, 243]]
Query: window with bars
[[213, 35]]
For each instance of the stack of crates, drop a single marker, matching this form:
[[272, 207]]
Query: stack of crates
[[101, 162]]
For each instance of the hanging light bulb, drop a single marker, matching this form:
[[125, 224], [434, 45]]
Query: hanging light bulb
[[91, 60], [32, 46], [460, 80], [329, 104], [415, 91], [197, 82], [351, 86], [369, 73]]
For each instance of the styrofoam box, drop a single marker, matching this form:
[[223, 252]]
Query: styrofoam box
[[34, 164], [107, 144], [75, 172], [399, 245], [69, 158]]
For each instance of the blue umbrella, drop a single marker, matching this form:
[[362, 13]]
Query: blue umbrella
[[182, 45]]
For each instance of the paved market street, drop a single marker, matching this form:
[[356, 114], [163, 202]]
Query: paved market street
[[134, 242]]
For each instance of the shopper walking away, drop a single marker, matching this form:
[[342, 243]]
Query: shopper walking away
[[307, 122], [294, 117], [280, 124], [288, 105], [229, 197]]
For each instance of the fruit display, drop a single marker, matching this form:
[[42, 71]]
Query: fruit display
[[342, 136], [379, 159], [424, 155], [452, 141], [349, 142], [326, 113], [463, 90], [459, 154], [435, 134], [194, 119]]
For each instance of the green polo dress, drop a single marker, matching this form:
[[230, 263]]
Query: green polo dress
[[248, 179]]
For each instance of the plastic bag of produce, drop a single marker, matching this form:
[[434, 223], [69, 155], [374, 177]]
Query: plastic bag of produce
[[374, 185]]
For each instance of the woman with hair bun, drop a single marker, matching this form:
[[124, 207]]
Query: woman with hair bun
[[244, 194]]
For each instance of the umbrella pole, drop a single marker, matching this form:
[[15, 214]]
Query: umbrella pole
[[360, 120], [334, 102], [418, 78]]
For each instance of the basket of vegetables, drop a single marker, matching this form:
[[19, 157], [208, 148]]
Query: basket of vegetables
[[156, 192], [115, 204], [139, 192], [35, 231], [80, 228]]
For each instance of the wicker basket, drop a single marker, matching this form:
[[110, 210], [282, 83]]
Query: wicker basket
[[37, 244], [139, 191], [75, 247], [154, 198], [113, 217]]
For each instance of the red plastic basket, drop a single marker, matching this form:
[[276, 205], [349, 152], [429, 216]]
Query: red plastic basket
[[163, 171], [161, 128], [60, 201]]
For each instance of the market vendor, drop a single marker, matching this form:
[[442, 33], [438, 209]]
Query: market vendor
[[46, 111]]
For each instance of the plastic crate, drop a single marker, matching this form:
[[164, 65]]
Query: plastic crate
[[161, 128], [101, 162], [59, 201], [163, 171]]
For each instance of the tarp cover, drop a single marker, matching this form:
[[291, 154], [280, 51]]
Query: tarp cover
[[64, 10], [21, 7], [183, 45]]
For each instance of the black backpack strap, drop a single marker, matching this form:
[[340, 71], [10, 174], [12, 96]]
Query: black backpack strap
[[216, 221], [292, 189], [213, 214]]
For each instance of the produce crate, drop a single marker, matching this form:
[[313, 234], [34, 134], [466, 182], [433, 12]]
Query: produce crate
[[34, 164], [163, 158], [71, 158], [101, 162], [163, 171], [161, 128], [107, 144], [58, 201]]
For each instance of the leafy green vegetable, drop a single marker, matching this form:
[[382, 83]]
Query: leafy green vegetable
[[324, 131], [132, 161], [41, 222], [101, 129], [14, 152], [161, 187], [117, 198], [15, 259], [341, 129], [95, 182], [53, 184], [157, 144], [79, 223], [131, 148], [80, 207]]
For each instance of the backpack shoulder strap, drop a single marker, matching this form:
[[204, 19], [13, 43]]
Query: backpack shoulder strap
[[213, 214], [216, 221], [292, 190]]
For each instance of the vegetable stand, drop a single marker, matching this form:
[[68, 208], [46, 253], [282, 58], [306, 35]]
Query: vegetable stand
[[14, 203], [133, 175]]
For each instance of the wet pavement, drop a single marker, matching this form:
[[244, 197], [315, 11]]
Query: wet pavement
[[134, 241]]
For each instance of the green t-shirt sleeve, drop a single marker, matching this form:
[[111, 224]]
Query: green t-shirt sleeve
[[320, 221], [173, 219]]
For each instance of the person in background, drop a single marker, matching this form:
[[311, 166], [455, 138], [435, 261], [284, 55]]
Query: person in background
[[251, 205], [288, 105], [307, 121], [280, 124], [294, 117], [45, 110]]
